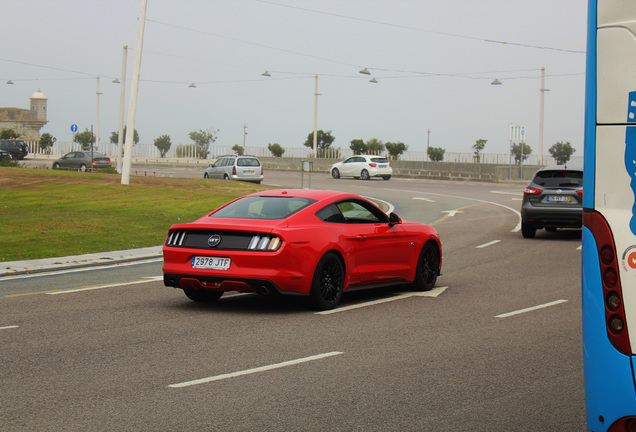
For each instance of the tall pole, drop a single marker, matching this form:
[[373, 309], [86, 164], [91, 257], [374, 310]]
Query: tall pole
[[134, 90], [97, 122], [543, 90], [244, 134], [428, 142], [122, 98], [316, 94]]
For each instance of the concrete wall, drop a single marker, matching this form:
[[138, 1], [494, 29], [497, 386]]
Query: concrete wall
[[420, 169]]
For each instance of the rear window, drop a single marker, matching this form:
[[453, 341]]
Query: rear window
[[559, 178], [248, 162], [263, 207], [379, 160]]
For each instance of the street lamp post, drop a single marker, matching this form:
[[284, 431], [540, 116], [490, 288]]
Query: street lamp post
[[122, 98], [97, 121], [134, 90], [542, 90], [316, 94]]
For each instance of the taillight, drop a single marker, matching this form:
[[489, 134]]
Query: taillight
[[264, 243], [234, 170], [532, 191], [615, 321], [580, 192], [390, 165], [372, 164]]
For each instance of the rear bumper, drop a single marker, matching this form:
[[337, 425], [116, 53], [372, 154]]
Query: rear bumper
[[558, 218], [224, 284]]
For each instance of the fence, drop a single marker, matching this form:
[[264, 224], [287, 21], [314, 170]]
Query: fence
[[189, 151]]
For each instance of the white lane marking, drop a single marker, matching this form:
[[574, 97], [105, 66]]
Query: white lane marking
[[432, 293], [580, 247], [96, 287], [452, 213], [530, 309], [423, 199], [515, 229], [81, 269], [255, 370], [487, 244], [9, 327]]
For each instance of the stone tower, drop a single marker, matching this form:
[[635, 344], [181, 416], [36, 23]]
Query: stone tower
[[38, 106]]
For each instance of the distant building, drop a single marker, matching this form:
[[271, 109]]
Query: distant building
[[26, 122]]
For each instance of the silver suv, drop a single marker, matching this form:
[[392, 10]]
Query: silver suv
[[233, 167], [553, 199]]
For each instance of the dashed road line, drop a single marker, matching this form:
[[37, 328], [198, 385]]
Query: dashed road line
[[255, 370], [530, 309], [96, 287], [490, 243], [432, 293]]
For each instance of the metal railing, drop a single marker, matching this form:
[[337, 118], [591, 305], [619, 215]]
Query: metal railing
[[190, 151]]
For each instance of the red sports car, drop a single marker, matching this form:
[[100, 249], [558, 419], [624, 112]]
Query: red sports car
[[313, 243]]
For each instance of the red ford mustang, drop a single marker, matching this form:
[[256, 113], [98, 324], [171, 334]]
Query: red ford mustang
[[314, 243]]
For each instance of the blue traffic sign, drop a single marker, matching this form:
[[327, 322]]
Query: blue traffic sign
[[74, 128]]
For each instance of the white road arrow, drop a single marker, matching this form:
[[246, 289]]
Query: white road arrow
[[452, 213]]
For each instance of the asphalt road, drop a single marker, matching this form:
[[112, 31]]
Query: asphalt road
[[496, 346]]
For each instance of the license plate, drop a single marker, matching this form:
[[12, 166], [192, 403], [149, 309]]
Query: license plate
[[213, 263], [559, 198], [250, 172]]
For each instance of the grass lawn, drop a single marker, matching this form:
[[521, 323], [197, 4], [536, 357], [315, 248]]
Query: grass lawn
[[46, 213]]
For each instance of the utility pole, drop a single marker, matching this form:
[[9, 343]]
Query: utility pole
[[244, 134], [134, 90], [316, 94], [543, 90], [428, 142], [97, 123], [122, 98]]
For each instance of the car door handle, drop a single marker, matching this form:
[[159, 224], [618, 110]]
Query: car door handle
[[361, 237]]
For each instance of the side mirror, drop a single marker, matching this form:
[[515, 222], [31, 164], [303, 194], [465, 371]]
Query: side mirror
[[394, 219]]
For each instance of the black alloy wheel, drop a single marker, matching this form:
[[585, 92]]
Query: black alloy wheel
[[206, 176], [335, 173], [427, 268], [328, 281]]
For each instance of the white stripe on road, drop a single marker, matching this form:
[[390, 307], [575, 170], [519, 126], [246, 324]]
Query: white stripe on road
[[255, 370], [423, 199], [9, 327], [80, 269], [432, 293], [96, 287], [530, 309], [487, 244]]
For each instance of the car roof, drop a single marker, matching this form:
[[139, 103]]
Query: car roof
[[315, 194], [560, 168]]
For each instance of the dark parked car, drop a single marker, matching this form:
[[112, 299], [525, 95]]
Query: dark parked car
[[553, 199], [5, 155], [81, 160], [17, 148]]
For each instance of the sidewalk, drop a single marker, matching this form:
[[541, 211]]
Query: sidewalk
[[75, 261]]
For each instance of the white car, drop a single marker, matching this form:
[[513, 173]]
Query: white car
[[363, 166]]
